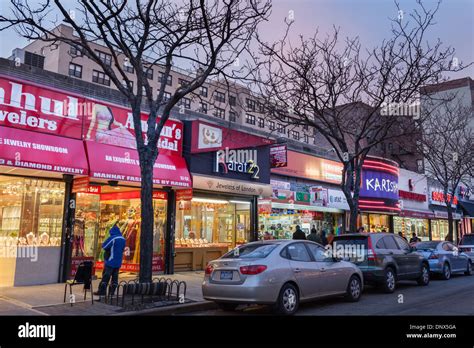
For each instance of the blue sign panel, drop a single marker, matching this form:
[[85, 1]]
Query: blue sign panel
[[377, 184]]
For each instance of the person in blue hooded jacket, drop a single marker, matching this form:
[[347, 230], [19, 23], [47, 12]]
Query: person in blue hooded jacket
[[113, 247]]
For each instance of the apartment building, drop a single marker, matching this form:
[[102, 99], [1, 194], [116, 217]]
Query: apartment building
[[231, 103]]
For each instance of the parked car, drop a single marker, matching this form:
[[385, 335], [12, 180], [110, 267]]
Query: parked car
[[385, 259], [466, 245], [445, 258], [281, 273]]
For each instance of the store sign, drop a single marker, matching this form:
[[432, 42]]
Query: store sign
[[184, 195], [231, 186], [80, 185], [319, 196], [120, 164], [378, 184], [208, 137], [438, 198], [337, 199], [156, 265], [444, 215], [302, 197], [241, 161], [310, 167], [25, 149], [114, 196], [412, 196], [282, 185], [286, 196], [278, 156]]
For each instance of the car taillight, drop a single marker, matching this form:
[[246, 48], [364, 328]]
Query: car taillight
[[209, 269], [466, 250], [254, 269], [371, 256], [433, 256]]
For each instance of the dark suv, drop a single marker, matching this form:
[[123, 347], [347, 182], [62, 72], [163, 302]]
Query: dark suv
[[384, 258]]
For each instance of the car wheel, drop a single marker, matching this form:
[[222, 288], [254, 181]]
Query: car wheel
[[354, 289], [424, 278], [288, 300], [389, 283], [446, 273], [469, 269], [227, 307]]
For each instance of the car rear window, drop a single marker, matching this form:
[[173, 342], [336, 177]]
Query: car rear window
[[351, 240], [467, 240], [251, 251], [426, 245]]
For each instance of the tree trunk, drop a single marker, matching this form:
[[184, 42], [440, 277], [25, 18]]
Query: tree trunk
[[146, 234], [450, 224]]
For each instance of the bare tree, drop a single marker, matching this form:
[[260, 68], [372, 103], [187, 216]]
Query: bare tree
[[206, 36], [447, 146], [350, 95]]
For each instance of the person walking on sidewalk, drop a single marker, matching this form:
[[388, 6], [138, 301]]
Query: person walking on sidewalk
[[113, 247], [299, 234], [313, 236]]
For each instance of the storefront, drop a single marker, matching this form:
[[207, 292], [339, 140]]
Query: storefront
[[378, 202], [230, 172], [466, 204], [414, 214], [68, 170], [439, 224], [300, 202]]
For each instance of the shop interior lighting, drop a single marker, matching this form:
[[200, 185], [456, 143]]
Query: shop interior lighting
[[208, 200], [239, 202]]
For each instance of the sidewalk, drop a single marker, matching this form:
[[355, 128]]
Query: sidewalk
[[48, 299]]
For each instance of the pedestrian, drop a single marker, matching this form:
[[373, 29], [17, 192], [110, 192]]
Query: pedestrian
[[401, 235], [361, 229], [324, 240], [113, 247], [299, 234], [414, 238], [314, 236], [330, 238]]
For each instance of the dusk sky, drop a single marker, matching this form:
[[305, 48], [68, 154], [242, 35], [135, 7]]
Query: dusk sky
[[368, 19]]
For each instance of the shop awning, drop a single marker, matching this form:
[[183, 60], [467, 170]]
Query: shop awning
[[468, 208], [121, 164], [32, 150]]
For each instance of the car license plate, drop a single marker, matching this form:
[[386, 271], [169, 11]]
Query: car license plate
[[226, 275]]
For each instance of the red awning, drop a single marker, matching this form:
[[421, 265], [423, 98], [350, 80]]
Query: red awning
[[122, 164], [32, 150]]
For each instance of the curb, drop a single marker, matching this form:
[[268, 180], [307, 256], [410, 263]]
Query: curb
[[175, 309]]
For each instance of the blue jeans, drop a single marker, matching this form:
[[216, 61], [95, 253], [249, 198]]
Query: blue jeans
[[109, 272]]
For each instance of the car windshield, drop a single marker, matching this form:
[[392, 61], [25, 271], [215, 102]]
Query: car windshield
[[259, 251], [426, 245], [467, 240]]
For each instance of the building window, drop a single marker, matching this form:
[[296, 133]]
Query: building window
[[281, 128], [203, 108], [75, 70], [186, 102], [169, 80], [104, 57], [251, 104], [183, 82], [124, 83], [128, 67], [166, 96], [419, 165], [203, 91], [218, 112], [250, 119], [219, 97], [271, 125], [75, 51], [34, 60], [305, 127], [232, 100], [306, 138], [149, 73], [261, 108], [261, 122], [295, 135], [232, 116], [100, 78]]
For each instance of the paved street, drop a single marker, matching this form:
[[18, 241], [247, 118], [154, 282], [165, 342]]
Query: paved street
[[453, 297]]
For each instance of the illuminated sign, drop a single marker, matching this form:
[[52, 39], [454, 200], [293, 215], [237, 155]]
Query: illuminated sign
[[377, 184], [240, 161], [437, 198]]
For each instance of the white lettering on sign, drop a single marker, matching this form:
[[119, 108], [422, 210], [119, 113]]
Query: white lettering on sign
[[384, 185], [241, 161]]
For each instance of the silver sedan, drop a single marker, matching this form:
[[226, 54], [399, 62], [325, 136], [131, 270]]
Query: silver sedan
[[281, 273]]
